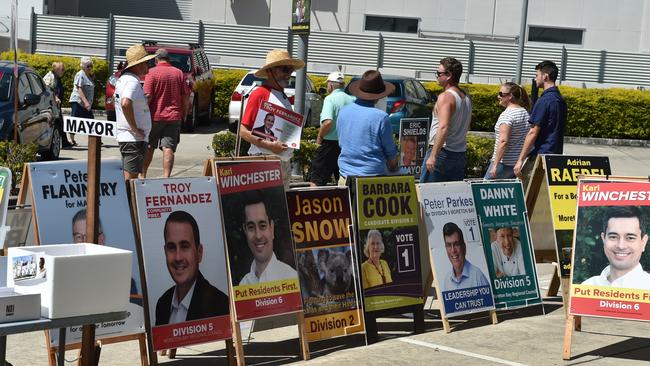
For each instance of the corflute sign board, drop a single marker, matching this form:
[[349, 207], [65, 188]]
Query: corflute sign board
[[388, 242], [506, 237], [610, 277], [320, 221], [459, 265]]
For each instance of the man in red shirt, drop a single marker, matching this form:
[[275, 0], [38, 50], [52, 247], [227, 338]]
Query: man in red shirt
[[167, 91], [277, 71]]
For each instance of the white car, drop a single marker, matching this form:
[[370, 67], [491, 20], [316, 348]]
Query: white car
[[313, 101]]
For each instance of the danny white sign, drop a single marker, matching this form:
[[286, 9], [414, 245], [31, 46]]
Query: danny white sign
[[91, 127]]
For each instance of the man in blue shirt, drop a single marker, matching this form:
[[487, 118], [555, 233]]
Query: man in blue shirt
[[463, 274], [325, 163], [365, 134], [548, 121]]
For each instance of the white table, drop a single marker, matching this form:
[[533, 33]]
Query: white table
[[46, 323]]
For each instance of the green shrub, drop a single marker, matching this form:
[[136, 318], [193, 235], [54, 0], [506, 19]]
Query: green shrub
[[14, 156], [479, 152], [225, 83], [606, 113], [43, 63], [223, 144]]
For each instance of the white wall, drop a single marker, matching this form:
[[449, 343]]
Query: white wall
[[24, 10]]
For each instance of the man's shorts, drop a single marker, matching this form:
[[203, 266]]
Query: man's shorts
[[133, 156], [325, 163], [165, 134]]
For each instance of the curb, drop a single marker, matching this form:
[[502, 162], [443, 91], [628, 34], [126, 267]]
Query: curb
[[584, 140]]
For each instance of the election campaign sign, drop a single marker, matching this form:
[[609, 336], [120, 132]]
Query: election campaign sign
[[184, 260], [506, 238], [413, 141], [300, 15], [276, 123], [320, 219], [459, 264], [59, 191], [611, 262], [88, 126], [388, 242], [562, 173], [260, 247]]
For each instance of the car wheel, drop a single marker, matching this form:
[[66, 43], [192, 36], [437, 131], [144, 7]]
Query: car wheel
[[55, 145], [192, 120]]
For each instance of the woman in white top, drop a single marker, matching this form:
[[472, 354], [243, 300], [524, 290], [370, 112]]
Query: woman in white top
[[83, 91], [509, 131]]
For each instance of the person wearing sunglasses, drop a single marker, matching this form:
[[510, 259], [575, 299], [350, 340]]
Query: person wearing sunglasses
[[446, 156], [83, 91], [509, 131], [277, 71]]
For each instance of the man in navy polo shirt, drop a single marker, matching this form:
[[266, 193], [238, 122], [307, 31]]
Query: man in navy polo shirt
[[547, 120]]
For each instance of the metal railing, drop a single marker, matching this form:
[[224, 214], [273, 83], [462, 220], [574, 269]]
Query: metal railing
[[246, 46]]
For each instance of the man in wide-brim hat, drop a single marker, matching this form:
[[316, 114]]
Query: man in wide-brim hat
[[132, 112], [365, 133], [277, 72]]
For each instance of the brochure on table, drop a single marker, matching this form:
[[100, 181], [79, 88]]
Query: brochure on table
[[184, 260], [73, 279], [59, 198]]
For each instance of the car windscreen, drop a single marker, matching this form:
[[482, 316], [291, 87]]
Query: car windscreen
[[5, 86], [182, 62], [249, 79]]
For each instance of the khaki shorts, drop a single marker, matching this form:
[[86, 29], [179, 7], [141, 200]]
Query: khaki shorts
[[133, 156], [165, 135]]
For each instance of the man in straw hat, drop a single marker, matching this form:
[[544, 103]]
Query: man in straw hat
[[365, 134], [132, 112], [277, 71]]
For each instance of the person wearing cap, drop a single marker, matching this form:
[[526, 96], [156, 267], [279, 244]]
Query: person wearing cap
[[168, 94], [365, 134], [446, 156], [277, 72], [133, 120], [325, 163]]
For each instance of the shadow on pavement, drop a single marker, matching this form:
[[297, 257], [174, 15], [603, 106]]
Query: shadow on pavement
[[635, 349]]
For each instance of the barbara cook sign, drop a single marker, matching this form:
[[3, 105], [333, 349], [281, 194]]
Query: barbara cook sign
[[91, 127]]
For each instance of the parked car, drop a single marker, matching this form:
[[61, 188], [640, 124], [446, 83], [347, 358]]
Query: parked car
[[313, 101], [409, 100], [192, 60], [39, 116]]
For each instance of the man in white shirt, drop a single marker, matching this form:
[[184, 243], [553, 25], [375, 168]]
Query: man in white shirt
[[132, 112], [259, 232], [507, 256], [624, 239]]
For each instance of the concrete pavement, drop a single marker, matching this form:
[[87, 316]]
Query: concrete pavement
[[526, 336]]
